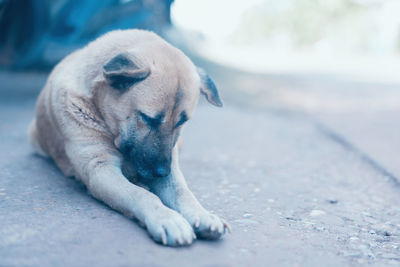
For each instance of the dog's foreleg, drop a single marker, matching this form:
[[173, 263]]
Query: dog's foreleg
[[174, 193], [99, 167]]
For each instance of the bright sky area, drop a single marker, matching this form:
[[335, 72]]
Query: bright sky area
[[360, 38]]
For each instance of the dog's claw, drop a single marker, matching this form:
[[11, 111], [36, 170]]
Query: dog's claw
[[227, 226], [164, 238], [207, 225]]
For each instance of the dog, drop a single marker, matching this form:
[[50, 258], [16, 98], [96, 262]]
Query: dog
[[111, 114]]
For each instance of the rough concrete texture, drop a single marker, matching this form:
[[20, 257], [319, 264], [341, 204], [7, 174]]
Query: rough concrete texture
[[362, 110], [294, 193]]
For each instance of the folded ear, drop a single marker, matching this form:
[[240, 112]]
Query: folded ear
[[121, 73], [208, 88]]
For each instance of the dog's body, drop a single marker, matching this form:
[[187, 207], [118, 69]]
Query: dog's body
[[112, 111]]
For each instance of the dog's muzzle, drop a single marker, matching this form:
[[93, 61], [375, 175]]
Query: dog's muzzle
[[153, 171], [161, 171], [148, 162]]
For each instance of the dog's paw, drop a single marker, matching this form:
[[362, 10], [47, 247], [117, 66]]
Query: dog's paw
[[170, 228], [207, 225]]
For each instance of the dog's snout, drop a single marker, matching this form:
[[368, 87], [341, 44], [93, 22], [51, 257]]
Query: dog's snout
[[161, 171]]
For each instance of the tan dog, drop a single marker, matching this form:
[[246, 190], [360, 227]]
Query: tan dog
[[112, 111]]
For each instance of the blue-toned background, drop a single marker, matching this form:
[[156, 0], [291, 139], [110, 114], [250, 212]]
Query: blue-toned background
[[37, 34]]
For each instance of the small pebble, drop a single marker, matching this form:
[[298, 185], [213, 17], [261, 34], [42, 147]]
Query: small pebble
[[315, 213], [366, 214], [332, 201], [353, 238]]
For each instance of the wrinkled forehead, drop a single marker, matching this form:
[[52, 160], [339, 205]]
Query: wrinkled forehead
[[169, 102], [172, 86], [163, 56]]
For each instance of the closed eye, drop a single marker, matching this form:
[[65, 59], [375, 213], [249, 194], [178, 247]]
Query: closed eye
[[152, 122], [182, 120]]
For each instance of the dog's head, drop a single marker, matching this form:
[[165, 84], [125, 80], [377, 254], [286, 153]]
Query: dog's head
[[149, 94]]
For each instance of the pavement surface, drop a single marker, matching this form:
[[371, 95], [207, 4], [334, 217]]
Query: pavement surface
[[303, 179]]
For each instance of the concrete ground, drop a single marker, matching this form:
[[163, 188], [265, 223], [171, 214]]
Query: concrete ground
[[301, 184]]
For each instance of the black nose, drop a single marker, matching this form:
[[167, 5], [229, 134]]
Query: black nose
[[161, 171]]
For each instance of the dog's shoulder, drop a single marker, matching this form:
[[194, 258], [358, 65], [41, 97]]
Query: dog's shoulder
[[81, 115]]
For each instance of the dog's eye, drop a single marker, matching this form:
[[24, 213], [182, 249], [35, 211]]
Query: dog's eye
[[182, 120], [153, 123]]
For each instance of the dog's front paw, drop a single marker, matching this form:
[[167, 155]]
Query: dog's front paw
[[207, 225], [170, 228]]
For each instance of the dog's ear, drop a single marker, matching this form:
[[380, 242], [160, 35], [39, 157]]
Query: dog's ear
[[208, 88], [121, 73]]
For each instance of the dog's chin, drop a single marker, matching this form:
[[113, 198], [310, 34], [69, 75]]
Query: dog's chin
[[148, 174]]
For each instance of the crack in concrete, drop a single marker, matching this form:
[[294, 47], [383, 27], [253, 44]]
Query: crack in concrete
[[364, 156]]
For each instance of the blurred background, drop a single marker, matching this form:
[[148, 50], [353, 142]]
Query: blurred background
[[352, 39], [256, 35], [341, 36], [37, 34]]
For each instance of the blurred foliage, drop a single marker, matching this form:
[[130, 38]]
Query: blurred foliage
[[37, 34], [353, 24]]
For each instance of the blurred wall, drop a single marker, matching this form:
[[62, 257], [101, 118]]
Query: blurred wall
[[37, 34]]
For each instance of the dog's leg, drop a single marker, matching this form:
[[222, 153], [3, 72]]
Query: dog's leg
[[99, 167], [174, 192]]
